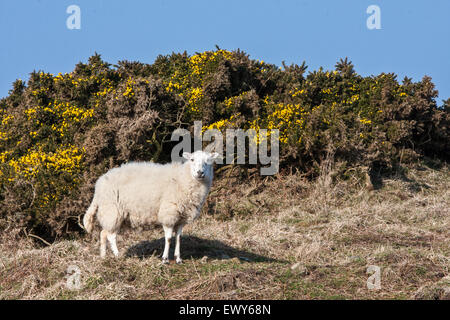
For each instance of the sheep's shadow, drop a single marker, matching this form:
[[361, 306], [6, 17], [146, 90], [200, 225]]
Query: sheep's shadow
[[195, 248]]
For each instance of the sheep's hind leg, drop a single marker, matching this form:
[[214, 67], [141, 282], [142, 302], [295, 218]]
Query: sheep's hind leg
[[112, 241], [177, 244], [103, 235], [168, 235]]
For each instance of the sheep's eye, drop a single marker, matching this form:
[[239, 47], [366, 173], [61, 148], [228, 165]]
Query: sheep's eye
[[192, 160]]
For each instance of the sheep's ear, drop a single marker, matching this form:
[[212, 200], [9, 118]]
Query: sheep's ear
[[187, 155], [214, 155]]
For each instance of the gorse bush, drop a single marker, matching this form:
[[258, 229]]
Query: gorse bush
[[59, 133]]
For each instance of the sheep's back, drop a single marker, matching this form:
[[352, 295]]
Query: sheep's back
[[137, 189]]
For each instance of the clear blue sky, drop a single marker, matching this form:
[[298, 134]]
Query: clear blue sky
[[414, 39]]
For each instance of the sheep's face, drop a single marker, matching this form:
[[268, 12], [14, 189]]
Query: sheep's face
[[200, 163]]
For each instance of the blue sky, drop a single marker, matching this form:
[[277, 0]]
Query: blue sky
[[414, 38]]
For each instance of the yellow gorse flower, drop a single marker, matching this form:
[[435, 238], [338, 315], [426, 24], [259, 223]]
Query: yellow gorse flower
[[287, 117], [5, 120], [65, 159], [199, 61], [222, 124], [129, 91], [65, 113], [195, 96]]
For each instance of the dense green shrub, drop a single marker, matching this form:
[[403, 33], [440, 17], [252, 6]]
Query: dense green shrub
[[58, 134]]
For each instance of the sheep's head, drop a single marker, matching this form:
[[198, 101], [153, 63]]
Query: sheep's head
[[201, 164]]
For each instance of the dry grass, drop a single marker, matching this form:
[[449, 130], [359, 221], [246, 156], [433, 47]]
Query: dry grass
[[285, 238]]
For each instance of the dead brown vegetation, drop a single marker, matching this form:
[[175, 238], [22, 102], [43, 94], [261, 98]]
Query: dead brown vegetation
[[283, 238]]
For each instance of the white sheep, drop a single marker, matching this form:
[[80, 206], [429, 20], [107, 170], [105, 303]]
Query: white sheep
[[146, 193]]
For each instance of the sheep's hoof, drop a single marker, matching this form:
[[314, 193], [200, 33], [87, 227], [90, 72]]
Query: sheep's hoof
[[165, 260], [179, 261]]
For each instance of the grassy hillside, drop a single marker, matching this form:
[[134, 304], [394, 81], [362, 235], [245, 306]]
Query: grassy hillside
[[286, 238], [363, 181]]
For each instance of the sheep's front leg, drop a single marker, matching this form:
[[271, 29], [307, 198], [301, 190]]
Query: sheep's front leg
[[112, 241], [177, 244], [168, 235], [103, 236]]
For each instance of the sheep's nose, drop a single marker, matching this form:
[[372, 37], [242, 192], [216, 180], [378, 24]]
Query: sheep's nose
[[201, 174]]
